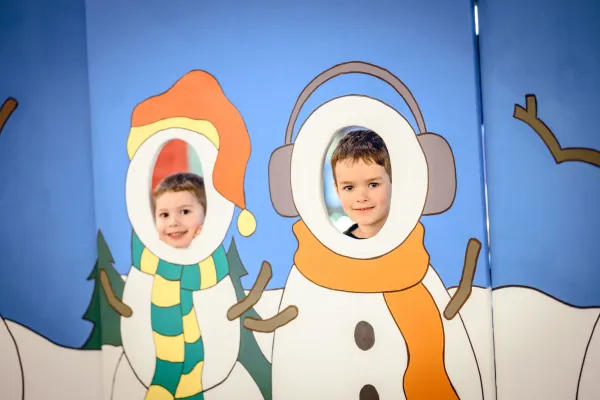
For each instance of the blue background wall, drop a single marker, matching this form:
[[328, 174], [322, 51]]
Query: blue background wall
[[263, 54], [47, 228], [544, 217]]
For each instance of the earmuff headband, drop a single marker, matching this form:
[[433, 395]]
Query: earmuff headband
[[355, 67]]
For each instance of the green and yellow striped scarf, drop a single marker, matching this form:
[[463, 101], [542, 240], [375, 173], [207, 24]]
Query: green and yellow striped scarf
[[177, 336]]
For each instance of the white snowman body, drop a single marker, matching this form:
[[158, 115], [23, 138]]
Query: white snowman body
[[316, 356], [221, 337]]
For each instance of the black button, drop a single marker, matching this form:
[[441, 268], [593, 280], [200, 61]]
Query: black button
[[368, 392], [364, 335]]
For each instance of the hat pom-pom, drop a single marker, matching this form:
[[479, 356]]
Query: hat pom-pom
[[246, 223]]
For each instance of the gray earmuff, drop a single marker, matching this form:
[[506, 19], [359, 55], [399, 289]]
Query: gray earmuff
[[440, 160]]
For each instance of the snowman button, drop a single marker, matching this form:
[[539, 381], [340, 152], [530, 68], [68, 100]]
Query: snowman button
[[368, 392], [364, 336]]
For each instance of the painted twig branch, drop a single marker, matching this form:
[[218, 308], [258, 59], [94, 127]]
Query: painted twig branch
[[264, 276], [113, 301], [560, 155], [463, 292], [270, 325], [261, 325], [8, 107]]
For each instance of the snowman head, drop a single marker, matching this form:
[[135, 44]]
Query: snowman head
[[196, 111], [422, 165], [139, 201]]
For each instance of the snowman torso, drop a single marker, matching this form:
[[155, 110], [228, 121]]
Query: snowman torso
[[220, 336], [347, 346], [339, 343]]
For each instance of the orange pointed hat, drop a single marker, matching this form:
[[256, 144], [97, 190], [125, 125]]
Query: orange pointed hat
[[197, 103]]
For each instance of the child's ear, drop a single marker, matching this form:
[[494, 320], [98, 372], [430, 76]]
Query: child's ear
[[198, 231]]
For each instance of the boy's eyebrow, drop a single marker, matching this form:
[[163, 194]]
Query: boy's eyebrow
[[376, 178], [180, 207]]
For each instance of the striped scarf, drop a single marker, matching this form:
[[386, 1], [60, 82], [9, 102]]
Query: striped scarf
[[177, 336]]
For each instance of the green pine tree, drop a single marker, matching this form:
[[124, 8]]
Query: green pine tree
[[107, 322], [250, 356], [92, 314]]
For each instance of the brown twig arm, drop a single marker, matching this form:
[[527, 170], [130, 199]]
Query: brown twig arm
[[261, 325], [560, 155], [8, 107], [115, 303], [264, 276], [270, 325], [463, 292]]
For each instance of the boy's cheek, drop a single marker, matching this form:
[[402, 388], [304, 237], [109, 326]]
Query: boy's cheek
[[347, 206], [343, 200]]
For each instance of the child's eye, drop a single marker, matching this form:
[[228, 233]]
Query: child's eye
[[347, 187], [164, 215], [185, 212], [374, 184]]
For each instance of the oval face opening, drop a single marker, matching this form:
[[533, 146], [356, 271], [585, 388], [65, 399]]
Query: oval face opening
[[311, 178], [162, 154], [178, 195], [357, 184]]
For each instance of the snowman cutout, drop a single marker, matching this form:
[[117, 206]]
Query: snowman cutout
[[176, 335], [367, 320]]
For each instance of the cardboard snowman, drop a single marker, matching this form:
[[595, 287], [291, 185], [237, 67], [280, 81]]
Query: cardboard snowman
[[178, 340], [369, 322]]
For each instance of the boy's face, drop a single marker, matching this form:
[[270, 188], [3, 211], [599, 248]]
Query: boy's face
[[179, 218], [365, 190]]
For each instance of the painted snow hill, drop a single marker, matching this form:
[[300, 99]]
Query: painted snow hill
[[545, 349]]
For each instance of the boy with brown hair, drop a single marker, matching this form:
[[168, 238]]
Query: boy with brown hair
[[363, 181], [179, 207]]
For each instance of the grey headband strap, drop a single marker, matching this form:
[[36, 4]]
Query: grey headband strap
[[355, 67]]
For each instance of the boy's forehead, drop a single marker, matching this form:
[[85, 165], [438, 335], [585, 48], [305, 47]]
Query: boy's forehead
[[177, 198], [349, 170]]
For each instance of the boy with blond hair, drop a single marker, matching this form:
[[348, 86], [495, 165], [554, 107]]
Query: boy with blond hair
[[362, 175]]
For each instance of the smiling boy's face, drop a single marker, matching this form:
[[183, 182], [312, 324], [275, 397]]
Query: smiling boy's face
[[179, 218], [365, 191]]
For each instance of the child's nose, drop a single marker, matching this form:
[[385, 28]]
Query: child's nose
[[362, 195]]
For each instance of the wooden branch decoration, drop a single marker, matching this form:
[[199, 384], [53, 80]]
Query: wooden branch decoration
[[114, 302], [560, 155], [270, 325], [264, 276], [261, 325], [9, 106], [463, 292]]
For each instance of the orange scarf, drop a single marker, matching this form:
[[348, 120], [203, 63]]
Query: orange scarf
[[398, 276]]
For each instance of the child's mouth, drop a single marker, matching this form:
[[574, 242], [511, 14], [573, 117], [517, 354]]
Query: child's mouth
[[176, 235], [364, 209]]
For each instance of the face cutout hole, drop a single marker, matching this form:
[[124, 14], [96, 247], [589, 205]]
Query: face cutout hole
[[178, 195], [357, 182]]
